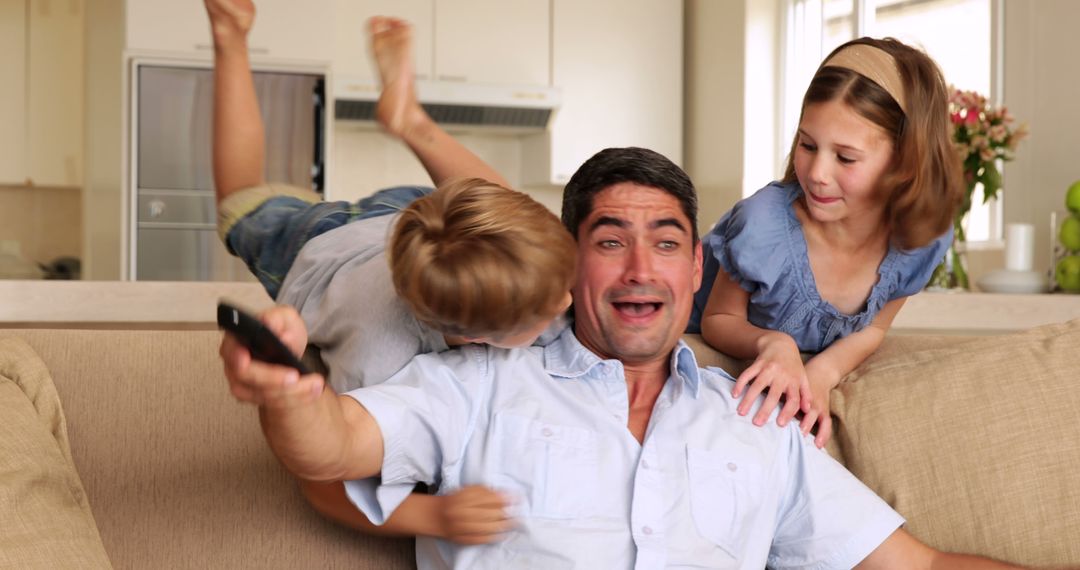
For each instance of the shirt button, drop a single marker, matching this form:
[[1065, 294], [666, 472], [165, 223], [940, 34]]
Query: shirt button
[[732, 467], [665, 405], [647, 530], [644, 464], [547, 433]]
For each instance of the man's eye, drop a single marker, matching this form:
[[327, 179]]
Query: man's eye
[[668, 245], [609, 244]]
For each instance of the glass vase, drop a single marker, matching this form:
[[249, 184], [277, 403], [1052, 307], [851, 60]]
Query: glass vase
[[952, 273]]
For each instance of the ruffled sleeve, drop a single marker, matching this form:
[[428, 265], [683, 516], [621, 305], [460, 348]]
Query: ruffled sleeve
[[915, 267], [749, 242]]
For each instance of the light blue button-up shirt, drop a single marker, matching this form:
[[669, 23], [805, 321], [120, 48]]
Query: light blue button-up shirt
[[548, 425]]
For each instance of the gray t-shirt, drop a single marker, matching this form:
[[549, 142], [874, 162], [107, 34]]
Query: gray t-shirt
[[341, 285]]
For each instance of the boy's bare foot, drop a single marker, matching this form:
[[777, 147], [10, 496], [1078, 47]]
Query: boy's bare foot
[[397, 111], [230, 20]]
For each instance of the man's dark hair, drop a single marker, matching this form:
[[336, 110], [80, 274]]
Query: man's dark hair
[[632, 164]]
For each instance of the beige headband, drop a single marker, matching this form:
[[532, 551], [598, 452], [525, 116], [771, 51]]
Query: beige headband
[[875, 64]]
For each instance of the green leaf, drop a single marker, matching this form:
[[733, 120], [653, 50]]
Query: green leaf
[[991, 180]]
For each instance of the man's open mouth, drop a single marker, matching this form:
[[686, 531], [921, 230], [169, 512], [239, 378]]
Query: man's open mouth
[[636, 309]]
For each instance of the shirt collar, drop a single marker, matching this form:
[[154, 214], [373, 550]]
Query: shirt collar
[[566, 357]]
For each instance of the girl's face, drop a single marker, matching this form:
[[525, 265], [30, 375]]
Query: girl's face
[[839, 159]]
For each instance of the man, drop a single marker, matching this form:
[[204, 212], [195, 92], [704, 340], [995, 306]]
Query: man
[[617, 450]]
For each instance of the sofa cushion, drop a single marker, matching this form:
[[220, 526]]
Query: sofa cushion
[[177, 471], [977, 444], [44, 513]]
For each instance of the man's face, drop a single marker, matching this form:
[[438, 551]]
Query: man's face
[[638, 269]]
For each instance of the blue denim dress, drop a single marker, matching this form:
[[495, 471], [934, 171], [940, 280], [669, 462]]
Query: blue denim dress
[[760, 244]]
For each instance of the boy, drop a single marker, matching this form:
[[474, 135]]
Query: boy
[[471, 262]]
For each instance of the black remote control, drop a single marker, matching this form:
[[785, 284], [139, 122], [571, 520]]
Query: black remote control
[[261, 341]]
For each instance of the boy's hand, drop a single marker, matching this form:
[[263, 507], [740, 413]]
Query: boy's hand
[[230, 20], [474, 515], [779, 368], [270, 384]]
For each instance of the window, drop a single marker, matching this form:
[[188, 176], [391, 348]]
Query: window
[[958, 34]]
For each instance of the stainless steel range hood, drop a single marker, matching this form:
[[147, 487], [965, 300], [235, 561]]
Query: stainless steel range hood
[[464, 106]]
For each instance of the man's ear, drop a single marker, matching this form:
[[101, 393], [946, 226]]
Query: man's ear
[[698, 260]]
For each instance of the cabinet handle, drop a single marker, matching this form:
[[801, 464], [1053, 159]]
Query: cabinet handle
[[458, 78]]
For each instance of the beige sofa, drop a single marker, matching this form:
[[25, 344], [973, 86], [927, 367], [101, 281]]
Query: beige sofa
[[975, 440]]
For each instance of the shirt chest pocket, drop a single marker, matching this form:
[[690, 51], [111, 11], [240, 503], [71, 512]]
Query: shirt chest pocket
[[725, 495], [551, 467]]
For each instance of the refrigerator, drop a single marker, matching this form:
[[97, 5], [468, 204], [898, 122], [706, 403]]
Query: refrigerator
[[174, 231]]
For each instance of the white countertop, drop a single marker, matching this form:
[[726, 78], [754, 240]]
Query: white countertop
[[159, 304]]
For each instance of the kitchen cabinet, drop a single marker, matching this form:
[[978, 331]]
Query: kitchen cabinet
[[41, 47], [469, 41], [621, 84], [283, 30], [352, 43], [493, 41]]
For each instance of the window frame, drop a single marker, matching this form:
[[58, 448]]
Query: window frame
[[798, 43]]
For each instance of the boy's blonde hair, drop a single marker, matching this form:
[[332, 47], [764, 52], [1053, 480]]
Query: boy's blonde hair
[[924, 185], [477, 259]]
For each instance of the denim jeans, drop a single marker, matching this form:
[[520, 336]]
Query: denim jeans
[[269, 238]]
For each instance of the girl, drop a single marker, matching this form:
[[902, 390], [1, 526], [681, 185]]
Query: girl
[[821, 261]]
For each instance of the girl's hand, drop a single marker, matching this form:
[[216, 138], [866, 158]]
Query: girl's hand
[[821, 384], [780, 369], [474, 515]]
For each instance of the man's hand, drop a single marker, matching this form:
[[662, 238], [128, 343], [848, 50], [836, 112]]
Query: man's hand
[[269, 384], [780, 369], [474, 515]]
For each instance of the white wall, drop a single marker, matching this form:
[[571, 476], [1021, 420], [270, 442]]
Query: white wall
[[1042, 88], [731, 70], [713, 103]]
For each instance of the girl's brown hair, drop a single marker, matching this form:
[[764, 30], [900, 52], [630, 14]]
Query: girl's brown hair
[[476, 259], [924, 185]]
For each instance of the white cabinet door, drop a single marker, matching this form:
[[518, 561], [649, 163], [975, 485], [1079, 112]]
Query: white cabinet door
[[169, 26], [621, 84], [13, 92], [284, 29], [54, 139], [493, 41], [352, 43], [290, 29]]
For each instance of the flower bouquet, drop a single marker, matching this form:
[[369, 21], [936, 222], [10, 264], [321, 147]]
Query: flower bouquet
[[982, 135]]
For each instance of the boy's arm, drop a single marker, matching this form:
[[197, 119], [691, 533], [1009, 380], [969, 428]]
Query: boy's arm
[[417, 515], [471, 515], [238, 145]]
